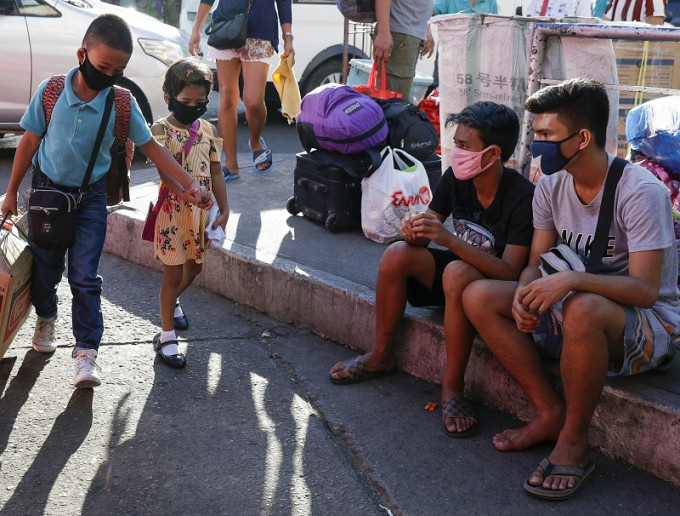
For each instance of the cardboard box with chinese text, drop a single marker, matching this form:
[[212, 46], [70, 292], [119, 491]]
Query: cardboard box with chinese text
[[660, 69], [16, 264]]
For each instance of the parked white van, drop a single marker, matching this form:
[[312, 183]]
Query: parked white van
[[39, 38]]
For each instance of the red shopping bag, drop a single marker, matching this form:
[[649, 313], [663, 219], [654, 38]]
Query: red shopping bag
[[380, 92]]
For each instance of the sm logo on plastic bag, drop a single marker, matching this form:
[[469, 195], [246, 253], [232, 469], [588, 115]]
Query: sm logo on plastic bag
[[421, 198]]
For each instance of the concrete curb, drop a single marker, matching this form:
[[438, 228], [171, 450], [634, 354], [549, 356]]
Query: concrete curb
[[635, 422]]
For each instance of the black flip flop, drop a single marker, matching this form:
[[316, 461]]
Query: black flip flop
[[359, 372], [461, 409], [551, 469]]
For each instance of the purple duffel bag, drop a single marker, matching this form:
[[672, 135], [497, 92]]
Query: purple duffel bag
[[339, 118]]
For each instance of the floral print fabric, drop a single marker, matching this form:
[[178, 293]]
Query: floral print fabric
[[180, 226], [253, 50]]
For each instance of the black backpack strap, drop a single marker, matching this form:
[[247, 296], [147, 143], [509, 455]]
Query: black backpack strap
[[604, 218], [100, 136], [336, 158], [376, 160]]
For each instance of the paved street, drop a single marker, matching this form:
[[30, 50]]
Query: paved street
[[251, 426]]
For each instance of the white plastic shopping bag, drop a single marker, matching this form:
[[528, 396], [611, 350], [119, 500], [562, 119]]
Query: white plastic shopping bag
[[398, 188]]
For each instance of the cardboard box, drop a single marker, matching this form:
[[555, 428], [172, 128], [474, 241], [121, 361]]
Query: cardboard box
[[662, 71], [16, 265]]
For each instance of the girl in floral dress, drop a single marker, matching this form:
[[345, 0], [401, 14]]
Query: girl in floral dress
[[180, 241]]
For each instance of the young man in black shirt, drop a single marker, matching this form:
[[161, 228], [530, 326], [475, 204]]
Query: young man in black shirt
[[491, 210]]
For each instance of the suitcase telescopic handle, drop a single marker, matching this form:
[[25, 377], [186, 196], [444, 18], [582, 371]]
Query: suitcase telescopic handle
[[312, 185]]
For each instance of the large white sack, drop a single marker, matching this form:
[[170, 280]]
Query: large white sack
[[486, 57]]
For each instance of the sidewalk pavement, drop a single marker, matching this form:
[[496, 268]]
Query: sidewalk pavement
[[252, 425]]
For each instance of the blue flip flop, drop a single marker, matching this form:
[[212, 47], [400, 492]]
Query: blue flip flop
[[228, 176], [261, 157]]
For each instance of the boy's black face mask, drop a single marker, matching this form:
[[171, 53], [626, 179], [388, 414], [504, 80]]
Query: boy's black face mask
[[95, 79], [187, 114]]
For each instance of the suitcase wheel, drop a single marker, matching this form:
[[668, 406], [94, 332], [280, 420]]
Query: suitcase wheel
[[291, 206], [332, 223]]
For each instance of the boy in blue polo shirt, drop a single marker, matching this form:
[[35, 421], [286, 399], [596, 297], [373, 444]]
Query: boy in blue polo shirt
[[60, 153]]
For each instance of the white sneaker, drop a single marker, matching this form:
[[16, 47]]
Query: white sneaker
[[86, 369], [43, 337]]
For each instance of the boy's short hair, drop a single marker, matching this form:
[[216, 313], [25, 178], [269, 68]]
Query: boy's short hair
[[578, 103], [185, 71], [110, 30], [497, 125]]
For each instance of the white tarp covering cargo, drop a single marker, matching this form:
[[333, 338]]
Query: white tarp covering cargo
[[485, 57]]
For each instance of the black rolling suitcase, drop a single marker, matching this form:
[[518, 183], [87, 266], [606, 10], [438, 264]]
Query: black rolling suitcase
[[327, 187]]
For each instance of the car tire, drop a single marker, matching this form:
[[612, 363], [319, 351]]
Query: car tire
[[329, 71]]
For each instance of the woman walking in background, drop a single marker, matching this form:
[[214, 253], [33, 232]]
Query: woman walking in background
[[253, 60]]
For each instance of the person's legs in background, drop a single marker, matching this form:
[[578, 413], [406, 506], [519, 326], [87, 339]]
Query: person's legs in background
[[254, 83], [401, 66], [228, 72]]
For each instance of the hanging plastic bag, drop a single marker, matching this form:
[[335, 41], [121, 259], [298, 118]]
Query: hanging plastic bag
[[430, 106], [399, 187], [654, 129], [380, 92]]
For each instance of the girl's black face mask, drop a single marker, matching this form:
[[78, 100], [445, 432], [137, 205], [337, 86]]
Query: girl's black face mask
[[187, 114], [96, 79]]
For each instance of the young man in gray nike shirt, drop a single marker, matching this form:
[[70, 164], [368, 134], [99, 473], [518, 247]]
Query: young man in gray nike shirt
[[621, 321]]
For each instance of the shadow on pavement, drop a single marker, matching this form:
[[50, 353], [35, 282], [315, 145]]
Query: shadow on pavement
[[19, 389], [70, 430]]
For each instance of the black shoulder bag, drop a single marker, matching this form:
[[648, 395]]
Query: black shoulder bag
[[563, 258], [229, 33], [52, 212]]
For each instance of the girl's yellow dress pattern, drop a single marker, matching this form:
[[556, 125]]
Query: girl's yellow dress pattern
[[180, 226]]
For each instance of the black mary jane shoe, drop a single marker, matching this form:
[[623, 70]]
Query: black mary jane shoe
[[177, 361], [181, 322]]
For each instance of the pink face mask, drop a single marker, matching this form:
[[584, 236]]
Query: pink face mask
[[468, 164]]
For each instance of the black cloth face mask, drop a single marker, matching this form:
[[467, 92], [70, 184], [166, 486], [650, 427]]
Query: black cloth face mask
[[187, 114], [96, 79]]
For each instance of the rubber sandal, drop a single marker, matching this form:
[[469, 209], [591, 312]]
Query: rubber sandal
[[461, 409], [260, 157], [551, 469], [228, 176], [359, 372]]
